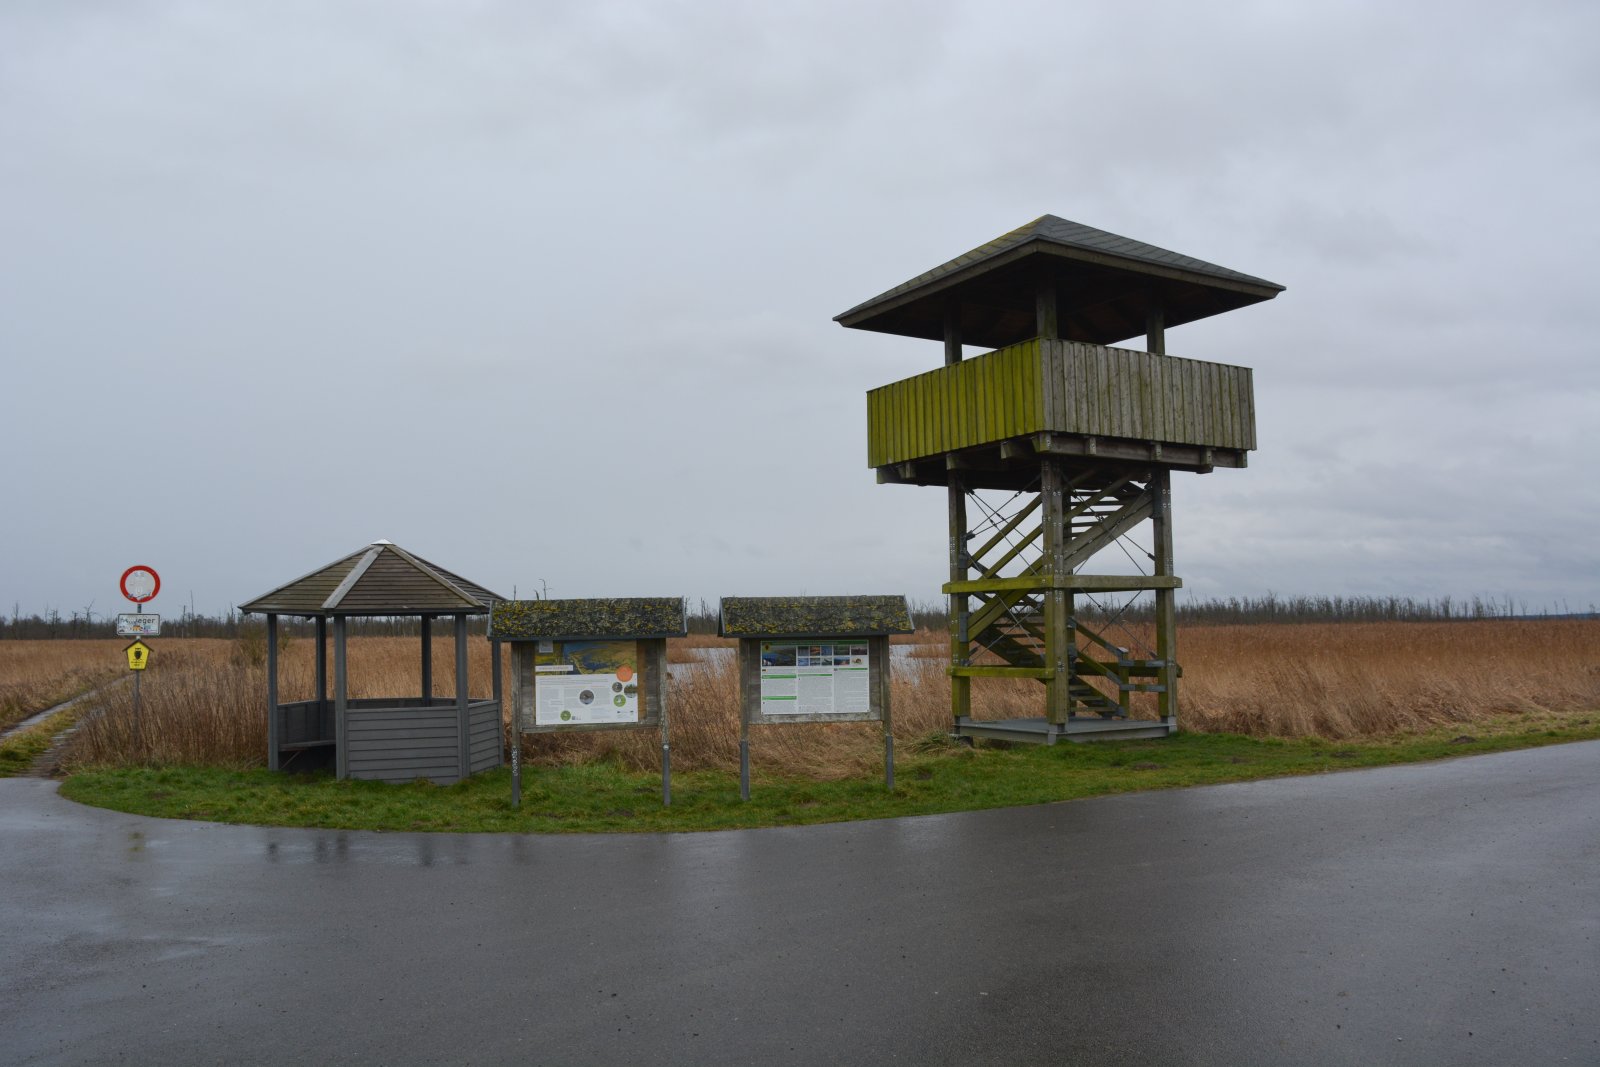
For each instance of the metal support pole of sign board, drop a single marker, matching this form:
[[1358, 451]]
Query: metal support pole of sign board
[[138, 734], [888, 757], [744, 761], [666, 775]]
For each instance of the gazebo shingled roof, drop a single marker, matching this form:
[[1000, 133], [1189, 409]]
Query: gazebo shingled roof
[[1095, 269], [379, 579]]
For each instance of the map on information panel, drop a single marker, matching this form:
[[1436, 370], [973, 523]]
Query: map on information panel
[[584, 683]]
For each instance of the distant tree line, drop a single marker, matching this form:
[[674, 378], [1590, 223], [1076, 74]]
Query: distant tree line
[[925, 614]]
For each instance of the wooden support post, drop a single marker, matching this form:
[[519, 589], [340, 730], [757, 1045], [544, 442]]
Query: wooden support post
[[952, 334], [521, 698], [1155, 330], [1047, 309], [274, 737], [960, 603], [1166, 599], [879, 664], [463, 716], [653, 653], [427, 661], [341, 701], [749, 701], [1058, 636], [498, 689], [322, 676]]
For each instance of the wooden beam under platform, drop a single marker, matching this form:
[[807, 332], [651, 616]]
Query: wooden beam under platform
[[1013, 464], [1093, 583]]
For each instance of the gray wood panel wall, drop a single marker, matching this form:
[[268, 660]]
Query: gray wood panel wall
[[392, 745], [488, 742], [1118, 392]]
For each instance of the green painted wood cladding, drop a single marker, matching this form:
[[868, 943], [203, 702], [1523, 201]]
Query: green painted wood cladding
[[1061, 387]]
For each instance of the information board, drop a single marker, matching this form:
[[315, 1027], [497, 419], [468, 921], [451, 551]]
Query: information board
[[811, 677], [585, 683]]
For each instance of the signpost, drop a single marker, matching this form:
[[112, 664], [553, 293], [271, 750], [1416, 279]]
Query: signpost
[[140, 584]]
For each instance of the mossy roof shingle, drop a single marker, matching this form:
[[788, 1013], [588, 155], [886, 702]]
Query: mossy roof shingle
[[596, 618], [814, 616]]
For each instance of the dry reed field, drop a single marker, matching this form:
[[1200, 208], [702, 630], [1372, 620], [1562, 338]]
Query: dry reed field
[[203, 700], [35, 675]]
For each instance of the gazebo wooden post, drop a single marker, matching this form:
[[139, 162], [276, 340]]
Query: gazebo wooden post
[[272, 693], [341, 700], [322, 669], [427, 660], [463, 720]]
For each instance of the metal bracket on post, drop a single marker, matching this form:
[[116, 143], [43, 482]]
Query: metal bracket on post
[[744, 768], [666, 775], [888, 757]]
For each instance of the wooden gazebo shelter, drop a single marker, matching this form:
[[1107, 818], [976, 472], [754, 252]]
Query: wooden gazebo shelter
[[392, 739]]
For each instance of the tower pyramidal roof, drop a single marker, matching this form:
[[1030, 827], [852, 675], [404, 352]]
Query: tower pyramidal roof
[[1107, 283]]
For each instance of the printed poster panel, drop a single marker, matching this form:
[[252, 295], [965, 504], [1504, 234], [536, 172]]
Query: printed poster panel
[[814, 678], [584, 683]]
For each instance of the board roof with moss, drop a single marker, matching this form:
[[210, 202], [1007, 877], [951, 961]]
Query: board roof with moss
[[814, 616], [598, 618]]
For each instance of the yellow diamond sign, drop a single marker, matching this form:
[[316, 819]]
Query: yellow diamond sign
[[138, 656]]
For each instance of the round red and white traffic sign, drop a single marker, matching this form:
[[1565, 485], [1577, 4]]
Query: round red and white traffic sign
[[140, 583]]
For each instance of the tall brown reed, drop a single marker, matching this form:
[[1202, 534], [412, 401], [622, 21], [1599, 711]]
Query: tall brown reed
[[34, 675], [204, 701]]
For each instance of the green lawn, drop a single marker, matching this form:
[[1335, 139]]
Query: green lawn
[[942, 778]]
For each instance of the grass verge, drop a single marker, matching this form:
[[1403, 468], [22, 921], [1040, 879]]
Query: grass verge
[[942, 777], [19, 750]]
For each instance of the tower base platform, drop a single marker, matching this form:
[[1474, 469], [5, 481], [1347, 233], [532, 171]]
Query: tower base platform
[[1078, 728]]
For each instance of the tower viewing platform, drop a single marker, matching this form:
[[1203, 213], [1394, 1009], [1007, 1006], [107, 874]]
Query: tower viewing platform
[[1085, 437]]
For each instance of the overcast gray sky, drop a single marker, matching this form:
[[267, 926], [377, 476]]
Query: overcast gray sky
[[543, 291]]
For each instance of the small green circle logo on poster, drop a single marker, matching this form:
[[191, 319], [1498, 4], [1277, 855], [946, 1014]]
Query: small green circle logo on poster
[[566, 716]]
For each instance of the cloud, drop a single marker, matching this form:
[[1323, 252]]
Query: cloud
[[461, 274]]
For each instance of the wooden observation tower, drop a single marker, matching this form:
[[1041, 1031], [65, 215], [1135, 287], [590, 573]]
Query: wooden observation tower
[[1081, 438]]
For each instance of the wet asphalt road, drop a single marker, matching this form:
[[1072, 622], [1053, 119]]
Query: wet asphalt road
[[1442, 914]]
